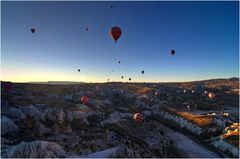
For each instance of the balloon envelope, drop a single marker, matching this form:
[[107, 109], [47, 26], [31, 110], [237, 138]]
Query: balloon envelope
[[157, 93], [138, 117], [33, 30], [211, 95], [115, 33], [84, 99], [173, 52]]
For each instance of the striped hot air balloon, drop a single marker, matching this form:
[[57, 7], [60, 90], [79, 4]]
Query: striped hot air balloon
[[138, 117]]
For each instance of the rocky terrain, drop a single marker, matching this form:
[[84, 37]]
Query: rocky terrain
[[180, 120]]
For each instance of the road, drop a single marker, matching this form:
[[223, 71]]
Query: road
[[188, 147]]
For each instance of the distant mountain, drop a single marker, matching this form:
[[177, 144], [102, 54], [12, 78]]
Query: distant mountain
[[57, 82], [235, 79]]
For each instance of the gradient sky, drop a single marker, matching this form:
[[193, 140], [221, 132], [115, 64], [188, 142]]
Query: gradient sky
[[205, 36]]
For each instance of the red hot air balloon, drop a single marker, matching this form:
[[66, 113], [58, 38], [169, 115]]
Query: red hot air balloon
[[84, 99], [7, 86], [157, 93], [115, 33], [138, 117]]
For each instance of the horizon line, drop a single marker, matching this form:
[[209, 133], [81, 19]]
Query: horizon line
[[77, 82]]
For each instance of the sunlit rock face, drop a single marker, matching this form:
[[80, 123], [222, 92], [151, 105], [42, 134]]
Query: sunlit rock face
[[36, 149]]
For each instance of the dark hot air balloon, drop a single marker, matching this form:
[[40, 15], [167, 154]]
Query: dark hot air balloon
[[129, 79], [173, 52], [86, 29], [142, 72], [84, 99], [122, 77], [78, 70], [33, 30], [119, 62], [115, 33]]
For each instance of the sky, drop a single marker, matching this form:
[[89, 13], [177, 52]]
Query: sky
[[205, 36]]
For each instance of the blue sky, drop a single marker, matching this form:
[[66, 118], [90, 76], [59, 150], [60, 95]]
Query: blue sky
[[205, 36]]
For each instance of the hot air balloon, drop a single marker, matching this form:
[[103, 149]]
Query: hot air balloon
[[122, 77], [84, 99], [138, 117], [7, 86], [119, 62], [78, 70], [86, 29], [111, 6], [173, 52], [142, 72], [33, 30], [157, 93], [129, 79], [211, 95], [115, 33]]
